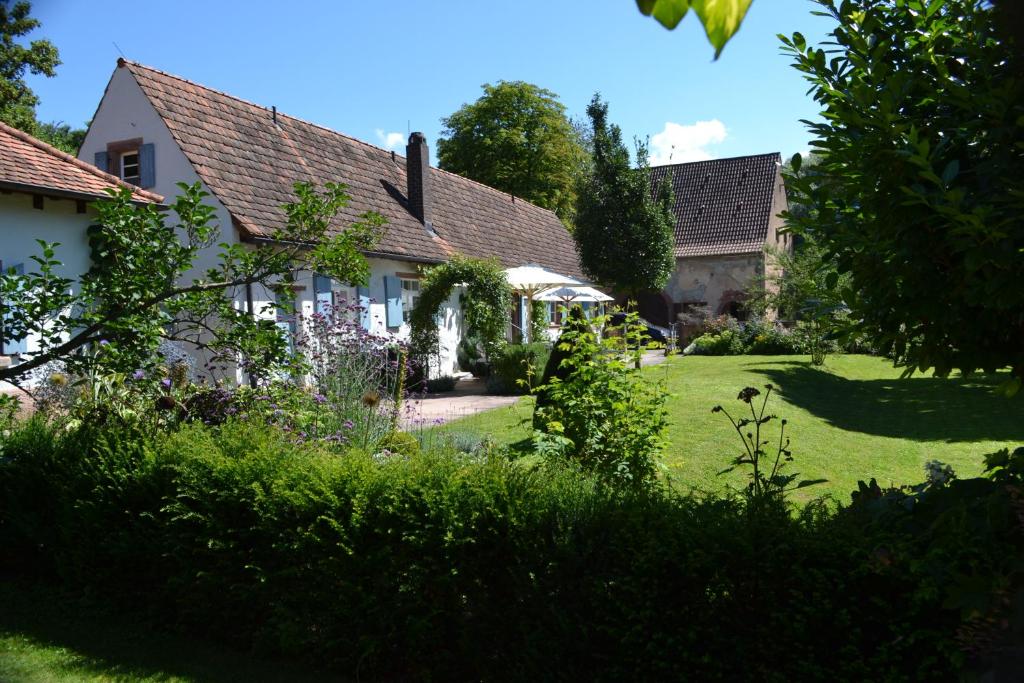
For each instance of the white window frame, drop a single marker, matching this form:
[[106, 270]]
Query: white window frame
[[133, 179], [409, 296]]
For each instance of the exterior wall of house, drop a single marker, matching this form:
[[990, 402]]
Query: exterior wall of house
[[450, 320], [126, 113], [776, 239], [58, 221], [716, 281]]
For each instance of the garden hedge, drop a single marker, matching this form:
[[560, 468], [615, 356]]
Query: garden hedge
[[448, 567]]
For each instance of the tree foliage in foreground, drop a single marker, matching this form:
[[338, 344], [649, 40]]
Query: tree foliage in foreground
[[624, 228], [917, 192], [17, 101], [721, 18], [516, 138], [140, 288]]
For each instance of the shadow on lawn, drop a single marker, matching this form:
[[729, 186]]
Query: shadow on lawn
[[96, 644], [918, 408]]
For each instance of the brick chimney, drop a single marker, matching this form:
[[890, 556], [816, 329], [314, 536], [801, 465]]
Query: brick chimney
[[417, 172]]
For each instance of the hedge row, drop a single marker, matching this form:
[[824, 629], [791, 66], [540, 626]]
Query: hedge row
[[450, 568]]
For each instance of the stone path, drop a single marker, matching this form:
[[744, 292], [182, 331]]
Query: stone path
[[470, 397]]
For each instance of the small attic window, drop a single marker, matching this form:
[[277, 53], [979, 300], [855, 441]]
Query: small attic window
[[130, 168], [133, 161]]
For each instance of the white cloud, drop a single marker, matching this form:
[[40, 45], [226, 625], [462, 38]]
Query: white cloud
[[678, 143], [390, 140]]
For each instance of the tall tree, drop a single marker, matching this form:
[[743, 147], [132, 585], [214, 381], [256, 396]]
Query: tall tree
[[17, 101], [516, 138], [917, 191], [61, 135], [624, 227]]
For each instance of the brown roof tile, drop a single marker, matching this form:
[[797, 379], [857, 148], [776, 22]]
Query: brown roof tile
[[250, 163], [722, 206], [31, 164]]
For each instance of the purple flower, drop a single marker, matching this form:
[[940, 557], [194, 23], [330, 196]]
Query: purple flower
[[104, 342], [320, 398], [138, 374], [348, 424], [166, 382]]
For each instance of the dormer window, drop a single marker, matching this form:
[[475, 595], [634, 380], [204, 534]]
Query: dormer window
[[130, 170]]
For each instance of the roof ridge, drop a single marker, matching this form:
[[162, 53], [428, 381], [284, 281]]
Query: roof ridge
[[75, 161], [709, 161], [121, 61]]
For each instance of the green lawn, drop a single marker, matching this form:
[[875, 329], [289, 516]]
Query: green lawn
[[853, 419], [47, 637]]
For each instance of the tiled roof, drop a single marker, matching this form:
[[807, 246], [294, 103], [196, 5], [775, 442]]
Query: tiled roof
[[722, 206], [31, 164], [250, 163]]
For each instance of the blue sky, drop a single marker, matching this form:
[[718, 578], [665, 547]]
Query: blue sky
[[376, 70]]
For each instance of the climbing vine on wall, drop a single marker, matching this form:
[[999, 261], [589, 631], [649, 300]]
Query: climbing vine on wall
[[485, 304]]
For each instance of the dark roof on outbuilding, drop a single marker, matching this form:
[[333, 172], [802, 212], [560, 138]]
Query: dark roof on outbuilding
[[250, 162], [723, 206]]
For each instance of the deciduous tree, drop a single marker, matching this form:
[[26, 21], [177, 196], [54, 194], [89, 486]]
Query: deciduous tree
[[17, 101], [917, 191], [516, 138]]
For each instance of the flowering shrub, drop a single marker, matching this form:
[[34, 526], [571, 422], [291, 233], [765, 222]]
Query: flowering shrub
[[727, 343], [359, 380]]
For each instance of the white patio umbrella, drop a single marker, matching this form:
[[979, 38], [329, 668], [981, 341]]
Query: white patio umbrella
[[531, 279], [574, 294]]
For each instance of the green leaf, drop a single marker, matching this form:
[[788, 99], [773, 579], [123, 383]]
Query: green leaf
[[796, 162], [721, 19], [950, 172], [668, 12]]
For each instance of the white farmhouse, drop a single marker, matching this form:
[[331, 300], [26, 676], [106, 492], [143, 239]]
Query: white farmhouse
[[46, 195], [157, 130]]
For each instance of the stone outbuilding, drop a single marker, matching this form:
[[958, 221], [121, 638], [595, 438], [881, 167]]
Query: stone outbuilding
[[727, 217]]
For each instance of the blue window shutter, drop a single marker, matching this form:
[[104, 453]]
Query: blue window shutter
[[13, 346], [287, 331], [393, 296], [147, 166], [102, 161], [322, 290], [364, 307]]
